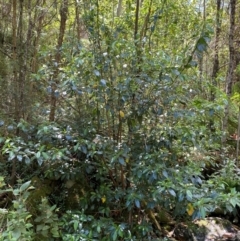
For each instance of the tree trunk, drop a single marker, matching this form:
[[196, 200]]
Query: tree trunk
[[231, 67], [216, 43], [201, 56], [54, 85], [119, 8], [216, 57], [78, 24], [136, 37]]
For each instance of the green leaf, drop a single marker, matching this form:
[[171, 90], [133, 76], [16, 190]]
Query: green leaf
[[229, 208], [19, 157], [45, 155], [11, 155], [172, 192], [233, 201], [39, 227], [53, 207], [98, 229], [202, 212], [202, 45], [96, 72], [115, 234], [75, 225], [17, 233], [25, 186], [189, 195], [40, 161], [137, 203], [121, 161], [1, 123], [38, 154], [103, 82], [38, 219], [27, 160], [165, 174]]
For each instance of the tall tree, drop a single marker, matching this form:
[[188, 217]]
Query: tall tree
[[216, 47], [231, 66], [58, 56], [215, 67]]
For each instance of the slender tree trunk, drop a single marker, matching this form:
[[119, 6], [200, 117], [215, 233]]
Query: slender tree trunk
[[136, 20], [15, 78], [63, 20], [146, 21], [216, 57], [14, 56], [136, 36], [231, 67], [38, 20], [21, 58], [216, 43], [78, 25], [238, 134], [201, 56], [119, 8]]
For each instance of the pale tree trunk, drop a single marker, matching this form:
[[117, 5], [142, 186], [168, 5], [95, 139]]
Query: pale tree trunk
[[119, 8], [20, 62], [215, 68], [35, 21], [38, 22], [15, 79], [231, 68], [236, 78], [14, 56], [136, 36], [201, 56], [144, 29], [18, 71], [216, 49], [63, 20], [78, 25]]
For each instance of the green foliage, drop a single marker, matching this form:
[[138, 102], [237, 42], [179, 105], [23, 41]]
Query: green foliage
[[16, 222], [132, 137], [46, 223]]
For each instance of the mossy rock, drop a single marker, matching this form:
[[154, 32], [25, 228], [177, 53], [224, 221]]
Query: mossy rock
[[74, 194], [164, 217], [214, 229], [42, 190], [3, 67]]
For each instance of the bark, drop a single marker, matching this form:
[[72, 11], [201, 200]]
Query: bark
[[215, 68], [78, 21], [119, 8], [14, 59], [38, 20], [136, 37], [63, 20], [136, 20], [201, 56], [231, 66], [146, 21], [216, 45], [21, 58]]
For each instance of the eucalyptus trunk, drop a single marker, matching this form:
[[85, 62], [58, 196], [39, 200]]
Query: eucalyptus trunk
[[215, 68], [231, 68], [58, 57]]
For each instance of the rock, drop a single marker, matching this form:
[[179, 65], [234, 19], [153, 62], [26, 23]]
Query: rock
[[208, 229]]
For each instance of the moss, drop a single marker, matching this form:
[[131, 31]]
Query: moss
[[42, 190], [3, 67], [73, 196]]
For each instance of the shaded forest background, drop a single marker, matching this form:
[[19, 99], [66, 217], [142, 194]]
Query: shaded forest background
[[118, 118]]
